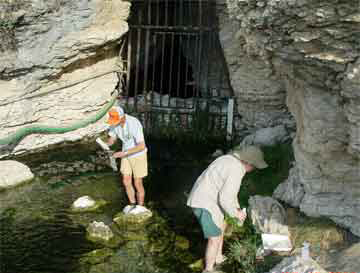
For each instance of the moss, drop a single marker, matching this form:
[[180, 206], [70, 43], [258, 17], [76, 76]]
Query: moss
[[135, 236], [96, 256], [114, 242], [132, 222], [181, 242], [198, 265], [321, 233]]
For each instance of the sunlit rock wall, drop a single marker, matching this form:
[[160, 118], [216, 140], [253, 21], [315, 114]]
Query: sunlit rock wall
[[46, 45], [307, 53]]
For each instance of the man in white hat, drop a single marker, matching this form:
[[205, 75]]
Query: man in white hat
[[133, 156], [215, 193]]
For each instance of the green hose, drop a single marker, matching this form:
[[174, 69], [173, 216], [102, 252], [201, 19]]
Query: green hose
[[38, 129]]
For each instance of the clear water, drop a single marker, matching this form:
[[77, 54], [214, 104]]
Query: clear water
[[40, 234]]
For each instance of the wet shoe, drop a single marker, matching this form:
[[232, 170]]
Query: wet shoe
[[128, 208], [139, 209]]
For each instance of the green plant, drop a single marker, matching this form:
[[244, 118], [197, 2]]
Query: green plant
[[243, 253]]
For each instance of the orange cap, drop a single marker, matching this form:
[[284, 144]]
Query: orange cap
[[115, 115]]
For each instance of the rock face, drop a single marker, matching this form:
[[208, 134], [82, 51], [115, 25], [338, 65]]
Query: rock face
[[267, 136], [259, 92], [13, 173], [52, 44], [345, 261], [290, 191], [307, 51]]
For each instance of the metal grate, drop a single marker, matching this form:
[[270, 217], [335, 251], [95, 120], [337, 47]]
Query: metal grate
[[175, 72]]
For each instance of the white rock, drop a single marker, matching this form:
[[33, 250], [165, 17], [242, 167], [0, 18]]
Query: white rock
[[13, 173], [100, 230], [84, 202]]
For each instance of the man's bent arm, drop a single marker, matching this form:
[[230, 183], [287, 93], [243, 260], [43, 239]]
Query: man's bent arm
[[138, 148]]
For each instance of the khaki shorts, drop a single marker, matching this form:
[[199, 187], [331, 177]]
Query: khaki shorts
[[135, 165]]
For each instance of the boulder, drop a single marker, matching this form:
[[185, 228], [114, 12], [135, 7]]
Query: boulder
[[13, 173], [297, 264], [268, 215], [100, 233], [132, 222]]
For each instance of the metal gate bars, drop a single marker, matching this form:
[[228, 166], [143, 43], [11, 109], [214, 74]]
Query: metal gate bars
[[175, 74]]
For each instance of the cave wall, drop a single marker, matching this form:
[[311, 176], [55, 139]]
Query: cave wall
[[304, 56]]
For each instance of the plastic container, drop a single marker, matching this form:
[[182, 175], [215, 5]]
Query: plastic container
[[305, 251]]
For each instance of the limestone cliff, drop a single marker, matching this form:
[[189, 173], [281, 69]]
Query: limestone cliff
[[309, 52], [46, 45]]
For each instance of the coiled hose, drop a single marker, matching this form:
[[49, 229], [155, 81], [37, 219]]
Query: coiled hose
[[39, 129]]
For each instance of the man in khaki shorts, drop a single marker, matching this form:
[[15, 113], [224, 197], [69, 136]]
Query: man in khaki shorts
[[215, 193], [133, 156]]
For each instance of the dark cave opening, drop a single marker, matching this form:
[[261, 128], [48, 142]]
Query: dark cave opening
[[165, 47], [168, 71]]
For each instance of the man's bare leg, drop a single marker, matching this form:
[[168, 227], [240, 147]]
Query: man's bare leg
[[127, 182], [140, 191], [212, 248], [220, 257]]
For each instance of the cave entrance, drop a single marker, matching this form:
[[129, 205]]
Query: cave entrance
[[175, 68]]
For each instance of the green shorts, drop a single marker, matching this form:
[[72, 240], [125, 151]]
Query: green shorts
[[209, 228]]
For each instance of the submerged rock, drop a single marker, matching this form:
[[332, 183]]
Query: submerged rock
[[98, 232], [13, 173], [132, 221], [150, 246], [96, 256]]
